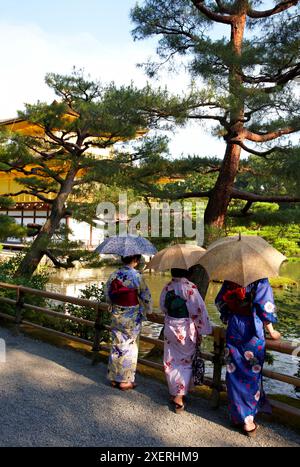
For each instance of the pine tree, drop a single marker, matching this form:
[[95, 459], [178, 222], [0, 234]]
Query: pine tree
[[65, 155], [248, 71]]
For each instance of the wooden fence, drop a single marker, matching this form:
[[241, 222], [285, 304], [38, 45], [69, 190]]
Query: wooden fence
[[218, 336]]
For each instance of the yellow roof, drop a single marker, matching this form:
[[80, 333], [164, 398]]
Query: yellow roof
[[22, 126]]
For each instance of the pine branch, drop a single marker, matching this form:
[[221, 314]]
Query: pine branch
[[222, 120], [243, 195], [246, 208], [192, 194], [58, 263], [237, 194], [44, 154], [188, 108], [264, 137], [155, 67], [51, 173], [32, 193], [71, 147], [21, 169], [211, 15], [108, 142], [279, 79], [282, 6], [258, 153], [173, 31], [223, 8], [249, 113]]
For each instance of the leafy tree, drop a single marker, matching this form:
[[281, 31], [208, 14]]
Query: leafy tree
[[247, 59], [8, 225], [65, 154]]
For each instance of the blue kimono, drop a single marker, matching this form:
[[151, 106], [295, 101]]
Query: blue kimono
[[245, 310]]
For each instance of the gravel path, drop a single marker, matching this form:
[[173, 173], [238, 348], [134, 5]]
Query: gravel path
[[53, 397]]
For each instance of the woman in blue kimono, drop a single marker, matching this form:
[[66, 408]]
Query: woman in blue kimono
[[247, 311], [130, 300]]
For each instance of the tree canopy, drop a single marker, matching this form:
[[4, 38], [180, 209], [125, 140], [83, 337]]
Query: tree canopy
[[244, 59], [63, 155]]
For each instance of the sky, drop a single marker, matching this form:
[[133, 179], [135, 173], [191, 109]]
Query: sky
[[37, 37]]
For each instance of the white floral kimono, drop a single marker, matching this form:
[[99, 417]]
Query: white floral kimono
[[126, 321], [180, 334]]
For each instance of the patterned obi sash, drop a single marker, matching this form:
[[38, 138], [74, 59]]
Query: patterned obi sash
[[176, 305], [238, 300], [121, 295]]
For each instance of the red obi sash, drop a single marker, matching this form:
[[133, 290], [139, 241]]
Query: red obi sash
[[237, 301], [121, 295]]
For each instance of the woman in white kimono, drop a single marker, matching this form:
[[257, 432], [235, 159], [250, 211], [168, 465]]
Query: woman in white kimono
[[186, 320], [131, 300]]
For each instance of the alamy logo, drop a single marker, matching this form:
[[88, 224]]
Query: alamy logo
[[2, 351], [154, 219]]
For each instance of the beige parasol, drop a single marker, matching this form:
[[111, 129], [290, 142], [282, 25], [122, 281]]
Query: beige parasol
[[181, 256], [243, 259]]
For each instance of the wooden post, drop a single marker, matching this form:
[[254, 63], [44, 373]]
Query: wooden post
[[98, 328], [19, 311], [219, 343]]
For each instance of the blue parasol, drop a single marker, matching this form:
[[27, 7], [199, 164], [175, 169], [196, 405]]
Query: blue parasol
[[128, 245]]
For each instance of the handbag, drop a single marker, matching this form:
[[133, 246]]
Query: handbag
[[198, 368]]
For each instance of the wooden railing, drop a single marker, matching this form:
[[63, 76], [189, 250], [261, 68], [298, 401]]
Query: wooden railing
[[218, 334]]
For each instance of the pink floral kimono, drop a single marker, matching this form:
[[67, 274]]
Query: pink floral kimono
[[181, 334]]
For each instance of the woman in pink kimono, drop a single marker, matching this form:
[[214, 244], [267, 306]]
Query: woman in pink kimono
[[186, 320]]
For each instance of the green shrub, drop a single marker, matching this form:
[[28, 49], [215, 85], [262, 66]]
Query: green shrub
[[287, 247], [39, 281], [90, 292], [278, 225]]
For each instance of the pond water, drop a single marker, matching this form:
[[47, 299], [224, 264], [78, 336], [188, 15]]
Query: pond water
[[70, 282]]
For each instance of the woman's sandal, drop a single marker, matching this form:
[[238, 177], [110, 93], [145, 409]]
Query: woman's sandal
[[116, 384], [179, 408], [251, 433], [126, 388]]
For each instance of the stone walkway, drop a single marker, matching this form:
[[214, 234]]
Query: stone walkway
[[51, 396]]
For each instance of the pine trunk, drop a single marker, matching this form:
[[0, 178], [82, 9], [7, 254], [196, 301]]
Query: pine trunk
[[217, 206], [37, 249], [219, 200]]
